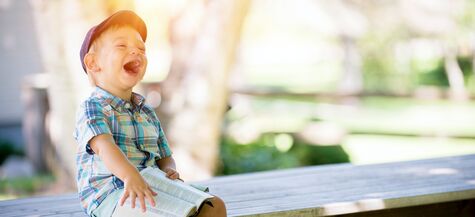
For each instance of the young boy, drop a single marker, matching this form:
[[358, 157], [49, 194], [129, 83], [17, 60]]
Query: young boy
[[117, 133]]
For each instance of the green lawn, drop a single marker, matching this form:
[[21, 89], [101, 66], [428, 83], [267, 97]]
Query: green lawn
[[405, 116], [367, 149]]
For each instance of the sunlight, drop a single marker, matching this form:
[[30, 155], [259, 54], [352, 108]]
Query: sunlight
[[443, 171], [371, 204], [156, 15], [340, 208], [283, 142], [323, 133], [352, 207], [245, 132]]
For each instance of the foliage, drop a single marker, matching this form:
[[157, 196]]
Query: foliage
[[382, 71], [24, 186], [262, 154], [433, 77], [437, 76], [7, 149]]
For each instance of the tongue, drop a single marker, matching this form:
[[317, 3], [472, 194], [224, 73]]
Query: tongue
[[132, 66]]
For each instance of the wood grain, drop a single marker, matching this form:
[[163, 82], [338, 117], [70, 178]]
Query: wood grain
[[340, 189]]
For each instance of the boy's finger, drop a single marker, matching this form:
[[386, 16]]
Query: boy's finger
[[153, 192], [124, 197], [172, 175], [148, 194], [142, 202], [170, 172], [132, 199]]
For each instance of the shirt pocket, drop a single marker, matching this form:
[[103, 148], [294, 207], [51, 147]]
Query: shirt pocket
[[125, 135], [150, 135]]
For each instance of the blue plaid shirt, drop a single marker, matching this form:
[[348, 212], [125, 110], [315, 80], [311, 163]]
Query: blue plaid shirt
[[136, 131]]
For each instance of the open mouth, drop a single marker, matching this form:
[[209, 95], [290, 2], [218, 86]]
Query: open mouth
[[133, 66]]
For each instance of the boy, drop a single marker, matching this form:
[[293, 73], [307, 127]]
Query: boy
[[117, 133]]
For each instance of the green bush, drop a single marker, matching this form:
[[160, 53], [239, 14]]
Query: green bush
[[262, 154], [7, 149], [25, 186], [437, 76]]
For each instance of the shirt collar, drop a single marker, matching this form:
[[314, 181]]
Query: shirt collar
[[118, 103]]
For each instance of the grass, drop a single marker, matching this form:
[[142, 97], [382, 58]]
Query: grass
[[368, 149], [408, 116]]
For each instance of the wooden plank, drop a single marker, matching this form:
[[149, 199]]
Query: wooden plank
[[390, 185], [39, 199], [313, 191], [465, 208]]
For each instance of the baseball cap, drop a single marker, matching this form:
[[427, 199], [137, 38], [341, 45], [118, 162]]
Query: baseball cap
[[121, 18]]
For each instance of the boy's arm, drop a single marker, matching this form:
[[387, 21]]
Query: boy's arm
[[167, 165], [134, 185]]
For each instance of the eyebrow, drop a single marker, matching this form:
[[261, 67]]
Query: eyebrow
[[120, 38]]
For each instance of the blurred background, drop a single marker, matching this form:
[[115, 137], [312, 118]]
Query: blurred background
[[244, 86]]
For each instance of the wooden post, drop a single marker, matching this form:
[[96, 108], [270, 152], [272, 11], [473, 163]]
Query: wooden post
[[35, 99]]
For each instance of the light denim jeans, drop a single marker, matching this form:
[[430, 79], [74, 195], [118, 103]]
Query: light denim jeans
[[107, 207]]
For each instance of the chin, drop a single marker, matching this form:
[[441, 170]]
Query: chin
[[133, 84], [130, 82]]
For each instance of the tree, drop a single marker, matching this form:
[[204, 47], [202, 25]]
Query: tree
[[204, 37]]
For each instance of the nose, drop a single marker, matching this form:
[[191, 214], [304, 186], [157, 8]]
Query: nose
[[135, 51]]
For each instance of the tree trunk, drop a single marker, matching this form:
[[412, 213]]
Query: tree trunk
[[455, 76], [473, 60], [352, 80], [204, 37]]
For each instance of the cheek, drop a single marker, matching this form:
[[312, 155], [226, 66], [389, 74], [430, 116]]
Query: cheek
[[145, 64], [108, 61]]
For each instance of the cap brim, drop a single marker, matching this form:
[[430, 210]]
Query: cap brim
[[123, 18]]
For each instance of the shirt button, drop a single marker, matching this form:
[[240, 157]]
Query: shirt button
[[127, 105]]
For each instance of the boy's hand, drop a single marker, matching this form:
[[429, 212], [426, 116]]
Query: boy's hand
[[171, 173], [136, 187]]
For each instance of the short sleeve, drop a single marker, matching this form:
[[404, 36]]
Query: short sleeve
[[163, 146], [91, 121]]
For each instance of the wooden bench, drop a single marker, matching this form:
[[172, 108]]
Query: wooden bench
[[433, 187]]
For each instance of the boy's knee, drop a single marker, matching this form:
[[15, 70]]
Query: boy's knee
[[218, 203], [218, 209]]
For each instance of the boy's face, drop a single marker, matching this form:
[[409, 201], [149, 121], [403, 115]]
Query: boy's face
[[120, 58]]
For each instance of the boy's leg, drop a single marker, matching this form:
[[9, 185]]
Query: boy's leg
[[107, 206], [217, 210]]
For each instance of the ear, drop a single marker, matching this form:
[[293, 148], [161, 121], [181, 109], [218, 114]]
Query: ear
[[90, 63]]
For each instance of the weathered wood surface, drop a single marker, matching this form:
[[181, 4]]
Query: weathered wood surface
[[313, 191]]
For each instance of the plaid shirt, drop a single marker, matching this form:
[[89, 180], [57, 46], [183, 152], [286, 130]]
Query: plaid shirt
[[136, 131]]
